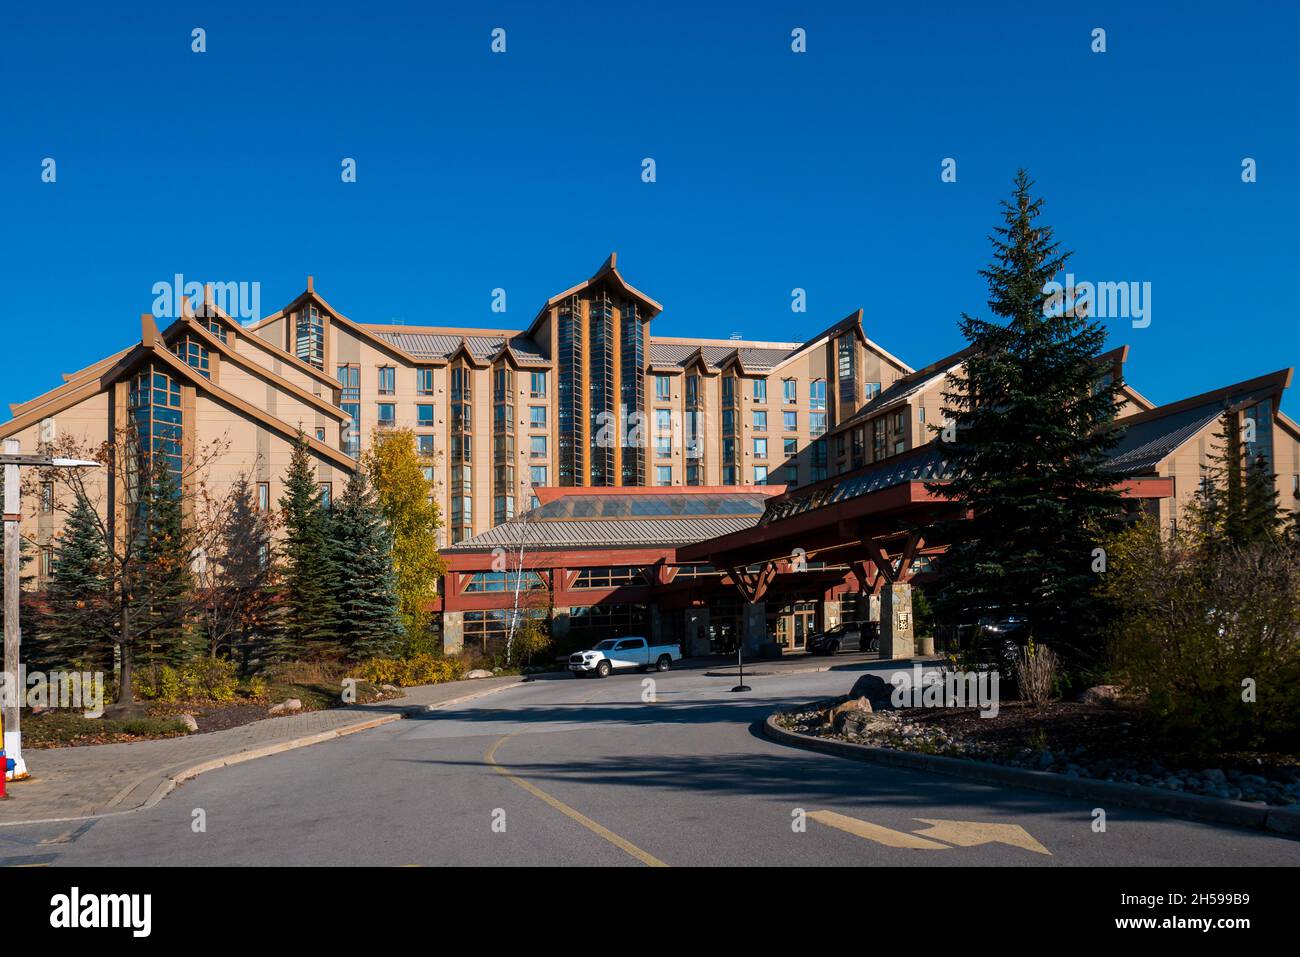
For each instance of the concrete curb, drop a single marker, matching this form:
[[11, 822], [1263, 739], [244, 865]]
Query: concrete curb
[[1192, 806], [170, 782], [817, 669]]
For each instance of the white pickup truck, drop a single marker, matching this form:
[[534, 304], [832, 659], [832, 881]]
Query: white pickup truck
[[623, 653]]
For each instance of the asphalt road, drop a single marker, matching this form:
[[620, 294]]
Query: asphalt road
[[563, 771]]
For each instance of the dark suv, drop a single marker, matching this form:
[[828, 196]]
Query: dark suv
[[846, 636]]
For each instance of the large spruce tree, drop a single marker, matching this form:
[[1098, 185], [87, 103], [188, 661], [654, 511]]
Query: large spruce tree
[[366, 588], [160, 582], [78, 623], [1032, 417], [1237, 501], [310, 623]]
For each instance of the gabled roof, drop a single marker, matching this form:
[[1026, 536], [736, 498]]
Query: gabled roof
[[607, 273], [900, 390], [1152, 435], [439, 346], [193, 327]]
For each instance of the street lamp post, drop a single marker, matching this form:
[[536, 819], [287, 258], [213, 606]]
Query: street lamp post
[[12, 459]]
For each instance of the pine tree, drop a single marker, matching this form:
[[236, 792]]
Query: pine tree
[[1032, 432], [1237, 502], [240, 605], [78, 624], [161, 583], [311, 615], [365, 591]]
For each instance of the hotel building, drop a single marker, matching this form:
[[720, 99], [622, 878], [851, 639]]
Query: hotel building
[[651, 459]]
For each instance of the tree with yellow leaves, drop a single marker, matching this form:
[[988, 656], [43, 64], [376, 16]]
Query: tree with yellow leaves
[[407, 501]]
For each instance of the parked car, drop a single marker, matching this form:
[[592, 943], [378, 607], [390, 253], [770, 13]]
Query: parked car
[[615, 653], [846, 636]]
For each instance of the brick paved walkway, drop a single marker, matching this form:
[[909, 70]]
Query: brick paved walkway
[[108, 778]]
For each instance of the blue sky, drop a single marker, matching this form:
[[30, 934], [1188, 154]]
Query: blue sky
[[775, 170]]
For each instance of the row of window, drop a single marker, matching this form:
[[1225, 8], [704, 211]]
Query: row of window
[[789, 390], [386, 377]]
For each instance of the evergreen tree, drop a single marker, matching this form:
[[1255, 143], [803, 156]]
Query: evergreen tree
[[1237, 502], [78, 624], [311, 618], [366, 588], [161, 582], [1263, 518], [1032, 431], [240, 602]]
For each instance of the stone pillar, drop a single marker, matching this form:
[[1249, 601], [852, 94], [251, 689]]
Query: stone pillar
[[832, 614], [871, 607], [753, 628], [695, 635], [453, 632], [896, 639]]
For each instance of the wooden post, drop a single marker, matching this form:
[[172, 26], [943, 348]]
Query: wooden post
[[13, 635]]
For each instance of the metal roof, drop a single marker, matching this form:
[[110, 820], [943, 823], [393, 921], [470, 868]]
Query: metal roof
[[753, 358], [438, 345], [624, 520]]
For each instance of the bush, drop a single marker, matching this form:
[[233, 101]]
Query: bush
[[1036, 674], [1214, 645], [531, 638], [421, 669], [207, 679]]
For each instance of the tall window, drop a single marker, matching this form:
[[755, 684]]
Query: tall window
[[791, 390], [154, 407], [790, 421], [537, 385], [760, 448], [760, 420], [424, 381], [760, 474], [264, 496], [760, 390], [569, 392], [424, 416], [817, 394], [663, 475], [309, 336], [663, 388], [537, 416], [387, 413], [537, 475], [194, 353], [387, 380], [350, 402], [846, 369]]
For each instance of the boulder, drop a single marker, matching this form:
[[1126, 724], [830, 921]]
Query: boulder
[[850, 704], [388, 687], [876, 690], [287, 706], [479, 673], [860, 722], [190, 722]]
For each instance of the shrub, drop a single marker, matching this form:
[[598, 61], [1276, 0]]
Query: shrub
[[531, 638], [421, 669], [206, 679], [1214, 645], [1036, 674]]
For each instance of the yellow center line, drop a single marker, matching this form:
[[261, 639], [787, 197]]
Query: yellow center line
[[599, 829]]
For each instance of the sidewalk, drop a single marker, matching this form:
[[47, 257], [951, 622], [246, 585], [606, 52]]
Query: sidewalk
[[720, 665], [72, 783]]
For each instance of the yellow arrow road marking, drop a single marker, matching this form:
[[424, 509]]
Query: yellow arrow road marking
[[971, 833], [599, 829], [874, 832]]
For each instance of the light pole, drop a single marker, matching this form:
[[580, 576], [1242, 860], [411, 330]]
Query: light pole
[[12, 459]]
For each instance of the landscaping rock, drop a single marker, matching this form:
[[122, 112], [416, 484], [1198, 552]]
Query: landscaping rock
[[389, 688], [1214, 776], [479, 673], [876, 690], [852, 704], [190, 722], [1046, 759], [287, 706]]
